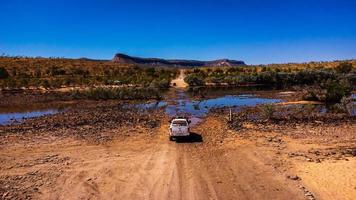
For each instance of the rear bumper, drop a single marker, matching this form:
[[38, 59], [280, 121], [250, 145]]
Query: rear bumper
[[179, 134]]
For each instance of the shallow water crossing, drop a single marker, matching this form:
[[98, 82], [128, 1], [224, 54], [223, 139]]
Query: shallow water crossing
[[181, 104]]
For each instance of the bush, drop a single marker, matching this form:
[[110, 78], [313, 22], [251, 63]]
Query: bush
[[314, 94], [45, 83], [266, 77], [3, 73], [161, 84], [335, 91], [331, 92], [268, 111], [344, 67], [194, 80], [150, 71], [346, 105], [79, 72]]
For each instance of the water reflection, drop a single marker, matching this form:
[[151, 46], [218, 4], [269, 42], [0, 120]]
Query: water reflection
[[200, 108], [8, 118], [185, 105]]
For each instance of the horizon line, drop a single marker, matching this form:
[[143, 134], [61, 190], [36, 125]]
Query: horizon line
[[107, 59]]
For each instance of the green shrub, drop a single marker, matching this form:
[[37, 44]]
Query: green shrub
[[268, 111], [314, 94], [161, 84], [310, 95], [194, 80], [346, 105], [3, 73], [336, 90], [150, 71]]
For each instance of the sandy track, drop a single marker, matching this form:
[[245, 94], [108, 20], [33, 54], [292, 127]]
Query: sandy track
[[224, 165], [179, 81], [154, 168], [149, 167]]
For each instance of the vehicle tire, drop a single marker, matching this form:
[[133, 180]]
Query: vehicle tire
[[171, 138]]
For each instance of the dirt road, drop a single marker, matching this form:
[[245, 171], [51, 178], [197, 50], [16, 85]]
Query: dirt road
[[179, 81], [212, 165], [102, 151]]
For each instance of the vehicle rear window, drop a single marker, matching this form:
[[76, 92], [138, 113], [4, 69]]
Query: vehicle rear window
[[180, 123]]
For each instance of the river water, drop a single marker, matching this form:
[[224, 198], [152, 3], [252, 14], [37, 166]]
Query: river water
[[181, 103]]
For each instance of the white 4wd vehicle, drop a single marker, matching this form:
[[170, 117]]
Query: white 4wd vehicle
[[179, 128]]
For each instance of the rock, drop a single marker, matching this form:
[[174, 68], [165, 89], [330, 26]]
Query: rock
[[309, 195], [4, 195], [126, 59], [291, 155], [32, 173], [352, 152], [294, 177]]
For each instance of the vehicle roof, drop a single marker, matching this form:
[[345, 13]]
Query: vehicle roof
[[179, 120]]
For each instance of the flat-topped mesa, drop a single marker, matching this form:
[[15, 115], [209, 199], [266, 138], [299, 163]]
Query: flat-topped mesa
[[125, 59]]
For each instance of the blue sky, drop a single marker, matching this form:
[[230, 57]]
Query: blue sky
[[255, 31]]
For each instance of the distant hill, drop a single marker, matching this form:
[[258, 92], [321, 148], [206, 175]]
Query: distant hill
[[125, 59]]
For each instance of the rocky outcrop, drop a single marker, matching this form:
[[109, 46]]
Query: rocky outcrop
[[125, 59]]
